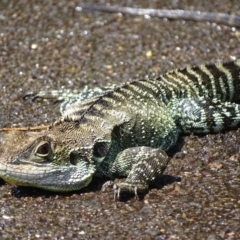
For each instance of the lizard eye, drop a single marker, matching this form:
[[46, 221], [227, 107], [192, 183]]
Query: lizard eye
[[43, 149]]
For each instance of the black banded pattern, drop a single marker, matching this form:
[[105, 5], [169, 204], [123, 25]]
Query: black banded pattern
[[125, 130]]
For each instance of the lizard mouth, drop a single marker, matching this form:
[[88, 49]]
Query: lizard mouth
[[58, 179]]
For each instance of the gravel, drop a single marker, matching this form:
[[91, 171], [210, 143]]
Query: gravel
[[48, 45]]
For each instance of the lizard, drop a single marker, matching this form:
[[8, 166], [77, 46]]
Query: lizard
[[122, 131]]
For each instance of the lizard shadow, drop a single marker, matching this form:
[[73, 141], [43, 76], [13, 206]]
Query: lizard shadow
[[161, 182], [94, 186], [21, 191]]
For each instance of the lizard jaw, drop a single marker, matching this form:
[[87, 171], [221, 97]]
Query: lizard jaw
[[58, 179]]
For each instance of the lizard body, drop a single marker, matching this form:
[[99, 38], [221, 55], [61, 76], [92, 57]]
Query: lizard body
[[122, 131]]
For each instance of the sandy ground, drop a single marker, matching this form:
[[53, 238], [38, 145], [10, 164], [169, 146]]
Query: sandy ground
[[49, 45]]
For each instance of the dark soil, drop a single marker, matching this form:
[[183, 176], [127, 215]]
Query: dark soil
[[46, 45]]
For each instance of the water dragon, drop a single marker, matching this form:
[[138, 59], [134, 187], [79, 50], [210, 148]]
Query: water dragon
[[122, 131]]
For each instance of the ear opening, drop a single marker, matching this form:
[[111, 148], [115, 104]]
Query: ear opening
[[100, 149]]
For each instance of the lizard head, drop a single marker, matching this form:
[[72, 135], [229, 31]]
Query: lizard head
[[44, 160]]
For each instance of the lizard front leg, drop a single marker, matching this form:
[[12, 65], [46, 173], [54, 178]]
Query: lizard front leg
[[142, 165]]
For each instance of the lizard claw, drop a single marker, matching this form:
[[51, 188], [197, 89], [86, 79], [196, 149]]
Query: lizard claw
[[127, 188], [116, 194], [108, 184], [31, 95]]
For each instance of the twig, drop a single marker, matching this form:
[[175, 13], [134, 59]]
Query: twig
[[24, 128], [226, 19]]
